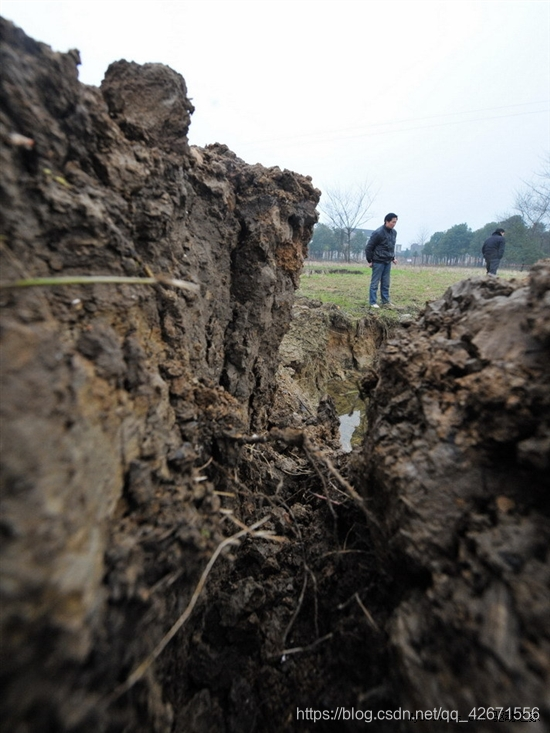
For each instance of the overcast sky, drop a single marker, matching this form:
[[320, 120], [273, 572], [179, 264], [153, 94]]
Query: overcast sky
[[442, 105]]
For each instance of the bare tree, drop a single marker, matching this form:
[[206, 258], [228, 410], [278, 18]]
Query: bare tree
[[533, 205], [422, 237], [347, 209], [533, 201]]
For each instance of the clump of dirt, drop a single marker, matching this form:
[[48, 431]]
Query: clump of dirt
[[122, 404], [455, 467], [144, 426]]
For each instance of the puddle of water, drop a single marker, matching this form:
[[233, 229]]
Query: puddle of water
[[348, 423], [351, 410]]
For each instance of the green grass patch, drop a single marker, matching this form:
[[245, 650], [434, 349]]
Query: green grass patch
[[411, 287]]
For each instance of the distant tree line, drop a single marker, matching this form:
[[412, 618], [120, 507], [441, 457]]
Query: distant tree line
[[459, 245], [527, 231], [332, 243]]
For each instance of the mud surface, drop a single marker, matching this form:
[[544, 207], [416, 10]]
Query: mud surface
[[457, 460], [144, 426], [326, 352]]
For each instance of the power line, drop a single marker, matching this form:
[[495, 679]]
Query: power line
[[337, 134]]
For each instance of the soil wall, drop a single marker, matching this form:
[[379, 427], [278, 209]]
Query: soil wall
[[455, 466], [115, 397]]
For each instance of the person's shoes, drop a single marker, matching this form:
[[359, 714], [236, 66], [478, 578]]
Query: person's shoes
[[375, 305], [388, 305]]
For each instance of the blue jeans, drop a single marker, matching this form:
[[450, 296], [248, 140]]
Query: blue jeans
[[492, 266], [380, 276]]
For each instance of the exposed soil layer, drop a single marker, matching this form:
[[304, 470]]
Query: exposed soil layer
[[126, 411], [456, 465], [144, 425], [323, 343]]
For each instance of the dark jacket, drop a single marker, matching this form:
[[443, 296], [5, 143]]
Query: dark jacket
[[381, 245], [493, 247]]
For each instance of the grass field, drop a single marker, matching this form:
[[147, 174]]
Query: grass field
[[411, 287]]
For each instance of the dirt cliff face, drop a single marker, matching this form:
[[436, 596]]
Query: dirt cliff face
[[323, 343], [115, 397], [457, 465]]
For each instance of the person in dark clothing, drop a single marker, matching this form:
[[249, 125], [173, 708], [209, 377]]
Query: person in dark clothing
[[493, 251], [380, 254]]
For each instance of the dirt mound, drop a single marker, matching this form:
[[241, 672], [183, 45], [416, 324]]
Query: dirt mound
[[457, 460], [121, 402]]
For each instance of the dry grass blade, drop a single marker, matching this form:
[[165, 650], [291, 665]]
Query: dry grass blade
[[367, 613], [142, 668], [296, 610], [299, 649], [316, 455], [32, 282]]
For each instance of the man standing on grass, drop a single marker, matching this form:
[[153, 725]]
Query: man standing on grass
[[493, 251], [380, 254]]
